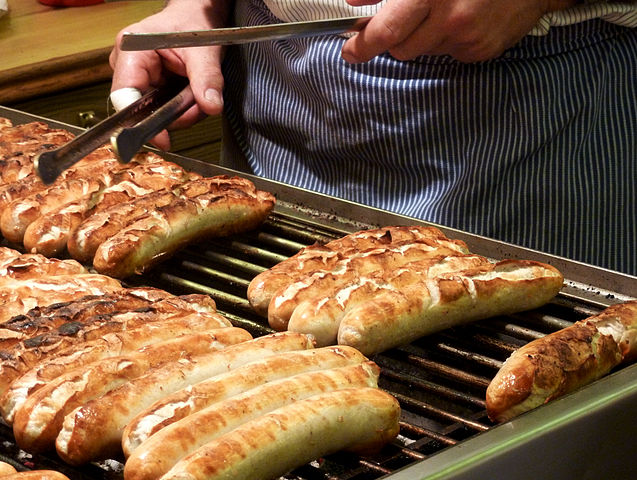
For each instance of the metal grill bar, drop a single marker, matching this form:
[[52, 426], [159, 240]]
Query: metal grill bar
[[394, 375], [438, 413], [451, 348], [428, 435]]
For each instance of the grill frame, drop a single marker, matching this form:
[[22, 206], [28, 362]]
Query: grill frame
[[516, 447]]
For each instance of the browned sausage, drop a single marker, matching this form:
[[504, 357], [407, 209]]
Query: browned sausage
[[325, 257], [110, 345], [397, 317], [109, 414], [359, 419], [561, 362], [160, 452], [208, 207], [38, 421], [196, 397]]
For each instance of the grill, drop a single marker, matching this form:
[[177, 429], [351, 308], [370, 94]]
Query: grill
[[440, 381]]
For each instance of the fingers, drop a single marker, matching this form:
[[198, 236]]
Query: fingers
[[468, 30], [138, 70], [389, 28], [206, 79], [202, 65], [161, 141]]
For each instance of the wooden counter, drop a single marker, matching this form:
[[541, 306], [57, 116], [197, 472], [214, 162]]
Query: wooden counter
[[45, 49], [54, 63]]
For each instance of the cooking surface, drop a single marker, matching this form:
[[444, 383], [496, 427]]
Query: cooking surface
[[440, 380]]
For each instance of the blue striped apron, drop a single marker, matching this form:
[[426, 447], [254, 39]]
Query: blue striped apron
[[537, 148]]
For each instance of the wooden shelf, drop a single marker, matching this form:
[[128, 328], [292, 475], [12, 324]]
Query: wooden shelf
[[54, 64], [46, 49]]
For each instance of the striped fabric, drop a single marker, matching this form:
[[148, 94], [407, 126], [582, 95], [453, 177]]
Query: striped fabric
[[537, 148], [622, 13]]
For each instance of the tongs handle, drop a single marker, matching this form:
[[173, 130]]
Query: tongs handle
[[50, 164], [128, 141]]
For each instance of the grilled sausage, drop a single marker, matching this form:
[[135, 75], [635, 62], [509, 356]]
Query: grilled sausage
[[82, 181], [19, 214], [561, 362], [348, 271], [36, 475], [30, 137], [396, 317], [6, 468], [110, 345], [359, 419], [98, 170], [26, 354], [21, 143], [39, 420], [49, 233], [321, 315], [97, 228], [10, 192], [226, 206], [325, 257], [161, 451], [77, 443], [100, 163], [17, 167], [18, 297], [33, 266], [5, 123], [43, 319], [8, 254], [196, 397]]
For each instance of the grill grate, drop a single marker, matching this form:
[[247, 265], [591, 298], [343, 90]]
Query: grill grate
[[440, 381]]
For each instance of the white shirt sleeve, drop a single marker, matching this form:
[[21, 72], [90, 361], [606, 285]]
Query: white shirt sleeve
[[620, 13]]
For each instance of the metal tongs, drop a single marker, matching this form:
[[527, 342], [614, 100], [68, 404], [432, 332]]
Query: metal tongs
[[130, 128], [127, 130], [239, 35]]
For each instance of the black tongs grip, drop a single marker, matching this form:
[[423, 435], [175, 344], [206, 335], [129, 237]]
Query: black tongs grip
[[50, 164]]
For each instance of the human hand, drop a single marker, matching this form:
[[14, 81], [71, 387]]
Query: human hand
[[468, 30], [202, 65]]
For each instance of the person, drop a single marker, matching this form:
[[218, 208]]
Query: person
[[511, 120]]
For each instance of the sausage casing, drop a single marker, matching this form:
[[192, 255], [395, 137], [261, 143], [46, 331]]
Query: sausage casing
[[185, 402], [39, 420], [109, 414], [563, 361], [162, 450], [360, 419], [397, 317]]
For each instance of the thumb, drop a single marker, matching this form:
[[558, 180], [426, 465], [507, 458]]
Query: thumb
[[206, 78]]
